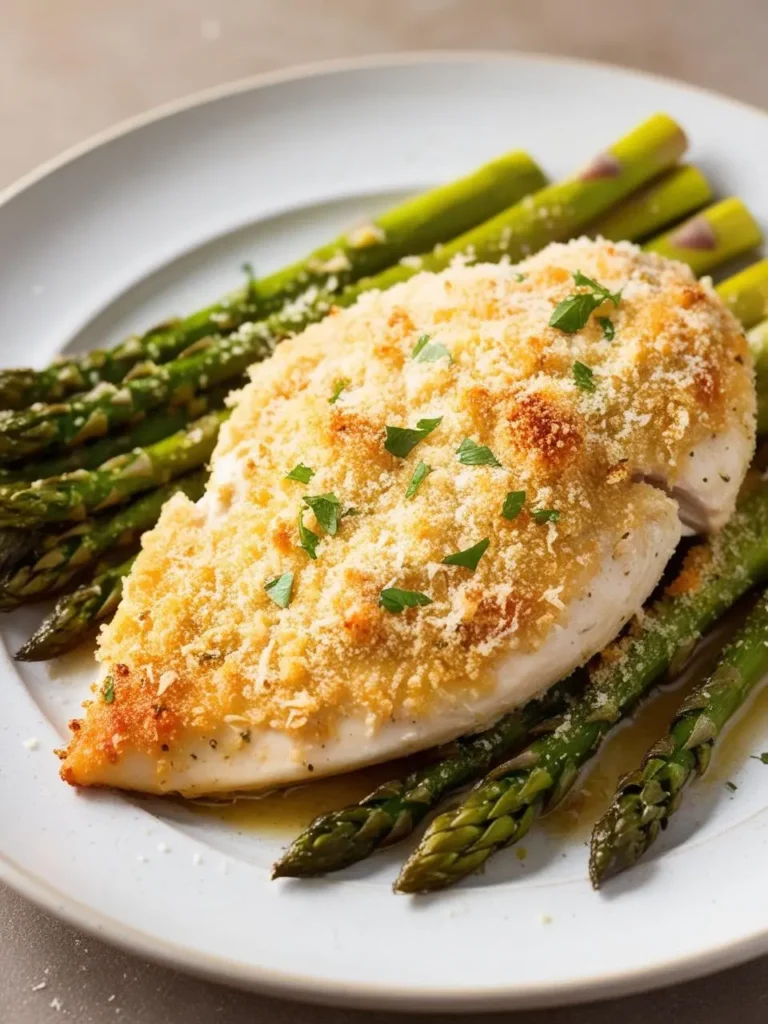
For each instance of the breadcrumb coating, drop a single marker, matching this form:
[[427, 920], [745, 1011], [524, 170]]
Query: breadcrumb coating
[[197, 638]]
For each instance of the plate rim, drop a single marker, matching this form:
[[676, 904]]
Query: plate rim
[[301, 987]]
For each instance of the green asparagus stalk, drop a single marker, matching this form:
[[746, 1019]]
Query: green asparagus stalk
[[662, 201], [60, 559], [758, 343], [746, 294], [392, 811], [411, 227], [159, 424], [15, 546], [71, 497], [647, 798], [554, 212], [500, 810], [415, 226], [75, 615], [717, 234]]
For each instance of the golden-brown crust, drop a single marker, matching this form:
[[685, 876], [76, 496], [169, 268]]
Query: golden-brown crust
[[202, 640]]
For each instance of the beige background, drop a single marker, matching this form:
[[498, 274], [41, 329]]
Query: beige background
[[69, 68]]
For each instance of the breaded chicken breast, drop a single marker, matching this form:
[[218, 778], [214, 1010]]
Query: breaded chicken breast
[[424, 511]]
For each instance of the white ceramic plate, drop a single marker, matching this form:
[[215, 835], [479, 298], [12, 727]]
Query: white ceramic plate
[[157, 218]]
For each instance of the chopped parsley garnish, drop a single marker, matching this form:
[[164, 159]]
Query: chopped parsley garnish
[[423, 340], [326, 508], [471, 453], [351, 511], [307, 539], [401, 441], [732, 786], [572, 313], [301, 473], [108, 690], [425, 351], [609, 330], [763, 758], [519, 277], [470, 557], [279, 589], [546, 515], [420, 474], [583, 377], [513, 505], [394, 600], [338, 387]]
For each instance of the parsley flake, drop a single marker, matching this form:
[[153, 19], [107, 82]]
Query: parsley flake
[[351, 511], [732, 786], [301, 473], [609, 329], [519, 277], [546, 515], [583, 377], [513, 505], [572, 313], [279, 589], [395, 601], [108, 690], [471, 453], [326, 509], [420, 474], [763, 758], [338, 387], [429, 352], [307, 539], [401, 441], [470, 557]]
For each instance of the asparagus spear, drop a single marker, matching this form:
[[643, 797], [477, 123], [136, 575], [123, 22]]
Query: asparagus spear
[[411, 227], [663, 201], [758, 343], [150, 430], [60, 559], [503, 807], [391, 812], [647, 798], [15, 545], [717, 234], [558, 211], [71, 497], [746, 294], [554, 212], [75, 615], [415, 226]]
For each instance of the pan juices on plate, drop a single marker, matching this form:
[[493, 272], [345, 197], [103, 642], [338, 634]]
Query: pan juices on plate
[[424, 511]]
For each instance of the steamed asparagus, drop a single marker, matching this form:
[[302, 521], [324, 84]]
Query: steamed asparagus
[[392, 811], [159, 424], [758, 343], [503, 807], [75, 615], [60, 559], [71, 497], [722, 231], [554, 212], [663, 201], [647, 798], [411, 227], [746, 294]]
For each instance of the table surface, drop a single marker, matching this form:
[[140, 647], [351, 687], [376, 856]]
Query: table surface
[[70, 69]]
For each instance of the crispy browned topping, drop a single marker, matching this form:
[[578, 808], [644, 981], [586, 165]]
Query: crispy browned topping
[[202, 639]]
